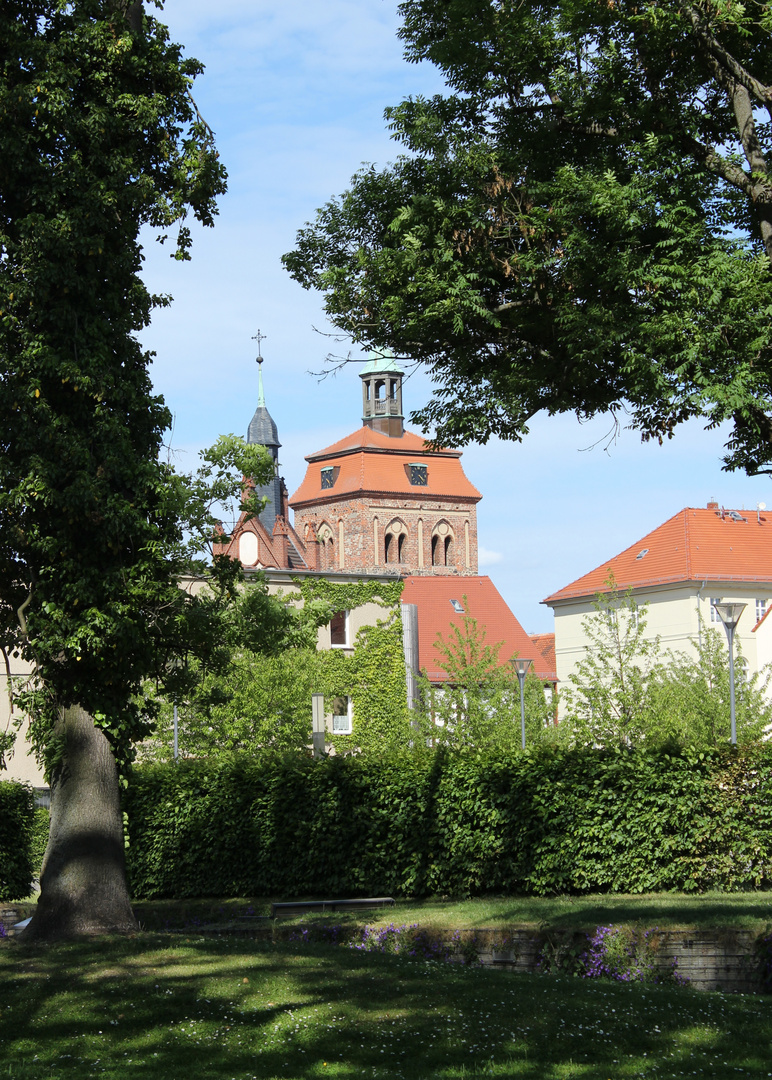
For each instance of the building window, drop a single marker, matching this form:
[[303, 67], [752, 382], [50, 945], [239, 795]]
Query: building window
[[417, 474], [442, 545], [395, 542], [761, 608], [328, 477], [714, 616], [339, 630], [341, 715]]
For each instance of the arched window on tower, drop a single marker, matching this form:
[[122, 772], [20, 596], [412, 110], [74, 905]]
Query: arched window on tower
[[325, 538], [395, 542], [442, 544]]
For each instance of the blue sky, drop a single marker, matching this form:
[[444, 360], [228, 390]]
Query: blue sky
[[295, 92]]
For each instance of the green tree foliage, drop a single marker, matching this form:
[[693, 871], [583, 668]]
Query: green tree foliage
[[690, 696], [478, 706], [609, 699], [628, 690], [582, 223], [256, 693], [99, 138]]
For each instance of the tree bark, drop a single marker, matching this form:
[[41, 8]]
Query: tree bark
[[83, 888]]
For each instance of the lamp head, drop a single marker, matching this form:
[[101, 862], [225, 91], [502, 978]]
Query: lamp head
[[520, 666], [730, 614]]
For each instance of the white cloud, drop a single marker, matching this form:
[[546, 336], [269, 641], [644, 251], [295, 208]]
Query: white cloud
[[485, 557]]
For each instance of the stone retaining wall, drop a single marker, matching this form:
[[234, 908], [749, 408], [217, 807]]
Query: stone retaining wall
[[725, 959]]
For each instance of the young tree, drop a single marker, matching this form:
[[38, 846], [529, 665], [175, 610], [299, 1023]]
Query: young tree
[[690, 696], [582, 224], [479, 705], [99, 138], [610, 696], [257, 693]]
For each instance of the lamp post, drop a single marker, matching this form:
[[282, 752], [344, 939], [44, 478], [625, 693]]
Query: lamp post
[[174, 666], [521, 670], [730, 616]]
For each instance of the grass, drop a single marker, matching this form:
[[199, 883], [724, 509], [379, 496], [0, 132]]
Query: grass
[[163, 1008], [749, 911]]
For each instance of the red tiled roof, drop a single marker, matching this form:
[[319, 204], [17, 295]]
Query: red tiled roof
[[367, 438], [371, 461], [436, 614], [545, 643], [694, 545]]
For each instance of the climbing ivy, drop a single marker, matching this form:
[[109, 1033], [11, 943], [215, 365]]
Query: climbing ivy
[[262, 698], [373, 676]]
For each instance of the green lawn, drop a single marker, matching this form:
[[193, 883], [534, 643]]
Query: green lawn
[[195, 1009], [751, 911]]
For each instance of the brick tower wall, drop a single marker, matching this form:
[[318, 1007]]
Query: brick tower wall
[[358, 521]]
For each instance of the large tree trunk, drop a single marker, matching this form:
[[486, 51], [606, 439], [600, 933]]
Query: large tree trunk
[[83, 888]]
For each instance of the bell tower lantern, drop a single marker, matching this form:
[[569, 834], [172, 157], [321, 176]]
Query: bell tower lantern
[[382, 395]]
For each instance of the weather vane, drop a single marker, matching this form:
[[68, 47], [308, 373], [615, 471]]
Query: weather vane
[[259, 338]]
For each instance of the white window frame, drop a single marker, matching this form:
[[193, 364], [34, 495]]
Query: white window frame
[[347, 632], [761, 607], [714, 616], [348, 715]]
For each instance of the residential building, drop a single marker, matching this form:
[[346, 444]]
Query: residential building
[[680, 570]]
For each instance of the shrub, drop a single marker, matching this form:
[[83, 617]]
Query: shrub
[[16, 825], [551, 820]]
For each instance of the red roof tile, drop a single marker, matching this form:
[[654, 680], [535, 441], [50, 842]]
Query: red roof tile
[[694, 545], [371, 461], [367, 438], [545, 643], [436, 614]]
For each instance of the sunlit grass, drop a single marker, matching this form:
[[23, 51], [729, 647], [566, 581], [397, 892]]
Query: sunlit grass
[[171, 1008], [751, 911]]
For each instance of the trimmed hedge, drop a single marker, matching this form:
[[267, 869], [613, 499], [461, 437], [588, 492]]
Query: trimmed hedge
[[547, 821], [17, 808]]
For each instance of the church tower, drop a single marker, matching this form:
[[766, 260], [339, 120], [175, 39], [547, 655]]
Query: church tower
[[380, 500], [263, 431]]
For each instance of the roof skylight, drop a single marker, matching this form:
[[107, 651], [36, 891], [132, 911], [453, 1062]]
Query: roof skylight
[[458, 606], [642, 552]]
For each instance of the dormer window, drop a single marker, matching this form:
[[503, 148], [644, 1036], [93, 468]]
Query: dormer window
[[329, 475], [417, 474]]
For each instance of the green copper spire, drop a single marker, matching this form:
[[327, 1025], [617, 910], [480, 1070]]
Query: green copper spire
[[260, 391]]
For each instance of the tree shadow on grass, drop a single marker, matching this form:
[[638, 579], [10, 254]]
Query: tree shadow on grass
[[157, 1008]]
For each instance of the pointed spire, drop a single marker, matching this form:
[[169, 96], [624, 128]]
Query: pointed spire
[[262, 429], [260, 391]]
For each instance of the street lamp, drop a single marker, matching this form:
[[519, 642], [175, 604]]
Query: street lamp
[[521, 670], [730, 616]]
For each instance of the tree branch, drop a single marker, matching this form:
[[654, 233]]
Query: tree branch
[[720, 58]]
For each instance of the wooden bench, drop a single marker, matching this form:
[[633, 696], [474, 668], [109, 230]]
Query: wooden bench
[[291, 908]]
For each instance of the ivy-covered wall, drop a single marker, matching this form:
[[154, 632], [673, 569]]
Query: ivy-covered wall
[[373, 675]]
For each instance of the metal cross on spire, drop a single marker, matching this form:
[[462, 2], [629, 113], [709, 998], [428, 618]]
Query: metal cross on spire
[[259, 337]]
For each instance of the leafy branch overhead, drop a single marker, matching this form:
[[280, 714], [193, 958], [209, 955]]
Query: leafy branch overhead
[[582, 223]]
